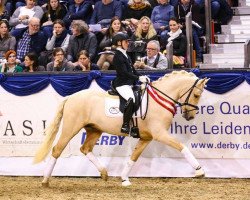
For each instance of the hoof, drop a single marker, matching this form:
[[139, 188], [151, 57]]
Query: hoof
[[126, 183], [199, 173], [45, 182], [104, 174]]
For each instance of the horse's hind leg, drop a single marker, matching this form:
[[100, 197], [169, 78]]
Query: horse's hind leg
[[69, 130], [170, 141], [140, 146], [92, 136]]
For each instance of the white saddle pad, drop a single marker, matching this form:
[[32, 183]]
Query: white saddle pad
[[112, 107]]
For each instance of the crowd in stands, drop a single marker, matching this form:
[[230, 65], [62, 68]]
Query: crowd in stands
[[76, 35]]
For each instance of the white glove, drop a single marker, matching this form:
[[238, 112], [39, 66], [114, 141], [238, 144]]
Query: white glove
[[144, 79]]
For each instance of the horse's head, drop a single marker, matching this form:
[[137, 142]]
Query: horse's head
[[182, 88], [190, 98]]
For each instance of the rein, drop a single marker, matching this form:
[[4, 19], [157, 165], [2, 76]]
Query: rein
[[186, 103], [144, 116]]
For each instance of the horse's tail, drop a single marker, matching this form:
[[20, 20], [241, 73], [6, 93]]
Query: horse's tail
[[50, 133]]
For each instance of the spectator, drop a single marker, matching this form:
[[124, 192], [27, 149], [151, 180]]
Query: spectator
[[82, 39], [31, 63], [30, 39], [104, 11], [160, 17], [60, 63], [179, 43], [135, 11], [7, 41], [81, 10], [4, 14], [220, 9], [54, 11], [11, 65], [144, 32], [12, 5], [60, 38], [23, 14], [181, 10], [84, 63], [154, 59], [106, 59]]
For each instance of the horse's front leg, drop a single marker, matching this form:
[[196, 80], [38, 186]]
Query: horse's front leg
[[165, 138], [91, 139], [140, 146]]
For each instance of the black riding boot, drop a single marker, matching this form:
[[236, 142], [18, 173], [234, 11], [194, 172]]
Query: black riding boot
[[127, 115]]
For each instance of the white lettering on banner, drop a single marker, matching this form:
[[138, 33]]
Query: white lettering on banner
[[221, 127]]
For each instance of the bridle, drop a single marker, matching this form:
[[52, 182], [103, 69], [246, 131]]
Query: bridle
[[186, 102]]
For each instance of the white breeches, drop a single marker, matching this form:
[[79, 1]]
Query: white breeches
[[126, 92]]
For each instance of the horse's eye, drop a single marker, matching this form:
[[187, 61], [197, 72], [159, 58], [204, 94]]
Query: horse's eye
[[196, 96]]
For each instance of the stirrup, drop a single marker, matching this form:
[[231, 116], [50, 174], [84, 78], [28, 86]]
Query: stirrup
[[135, 132], [125, 128]]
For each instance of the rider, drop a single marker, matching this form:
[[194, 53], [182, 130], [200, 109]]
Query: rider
[[126, 77]]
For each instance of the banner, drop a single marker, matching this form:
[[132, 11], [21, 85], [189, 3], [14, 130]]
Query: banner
[[220, 129]]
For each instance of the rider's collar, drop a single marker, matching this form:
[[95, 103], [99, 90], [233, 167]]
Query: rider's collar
[[123, 51]]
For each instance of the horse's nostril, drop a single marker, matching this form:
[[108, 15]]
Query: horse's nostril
[[188, 117], [191, 117]]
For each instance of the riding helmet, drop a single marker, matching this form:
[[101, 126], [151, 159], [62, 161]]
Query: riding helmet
[[120, 36]]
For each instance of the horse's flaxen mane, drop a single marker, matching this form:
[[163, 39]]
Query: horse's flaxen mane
[[173, 73]]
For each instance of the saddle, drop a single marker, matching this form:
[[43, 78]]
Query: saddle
[[137, 93]]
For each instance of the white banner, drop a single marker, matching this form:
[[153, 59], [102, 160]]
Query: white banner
[[221, 129]]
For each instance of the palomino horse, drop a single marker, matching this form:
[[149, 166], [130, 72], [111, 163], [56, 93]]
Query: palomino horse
[[85, 109]]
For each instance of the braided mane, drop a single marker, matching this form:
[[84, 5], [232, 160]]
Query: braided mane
[[174, 73]]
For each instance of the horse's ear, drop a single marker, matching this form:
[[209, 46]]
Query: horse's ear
[[204, 81]]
